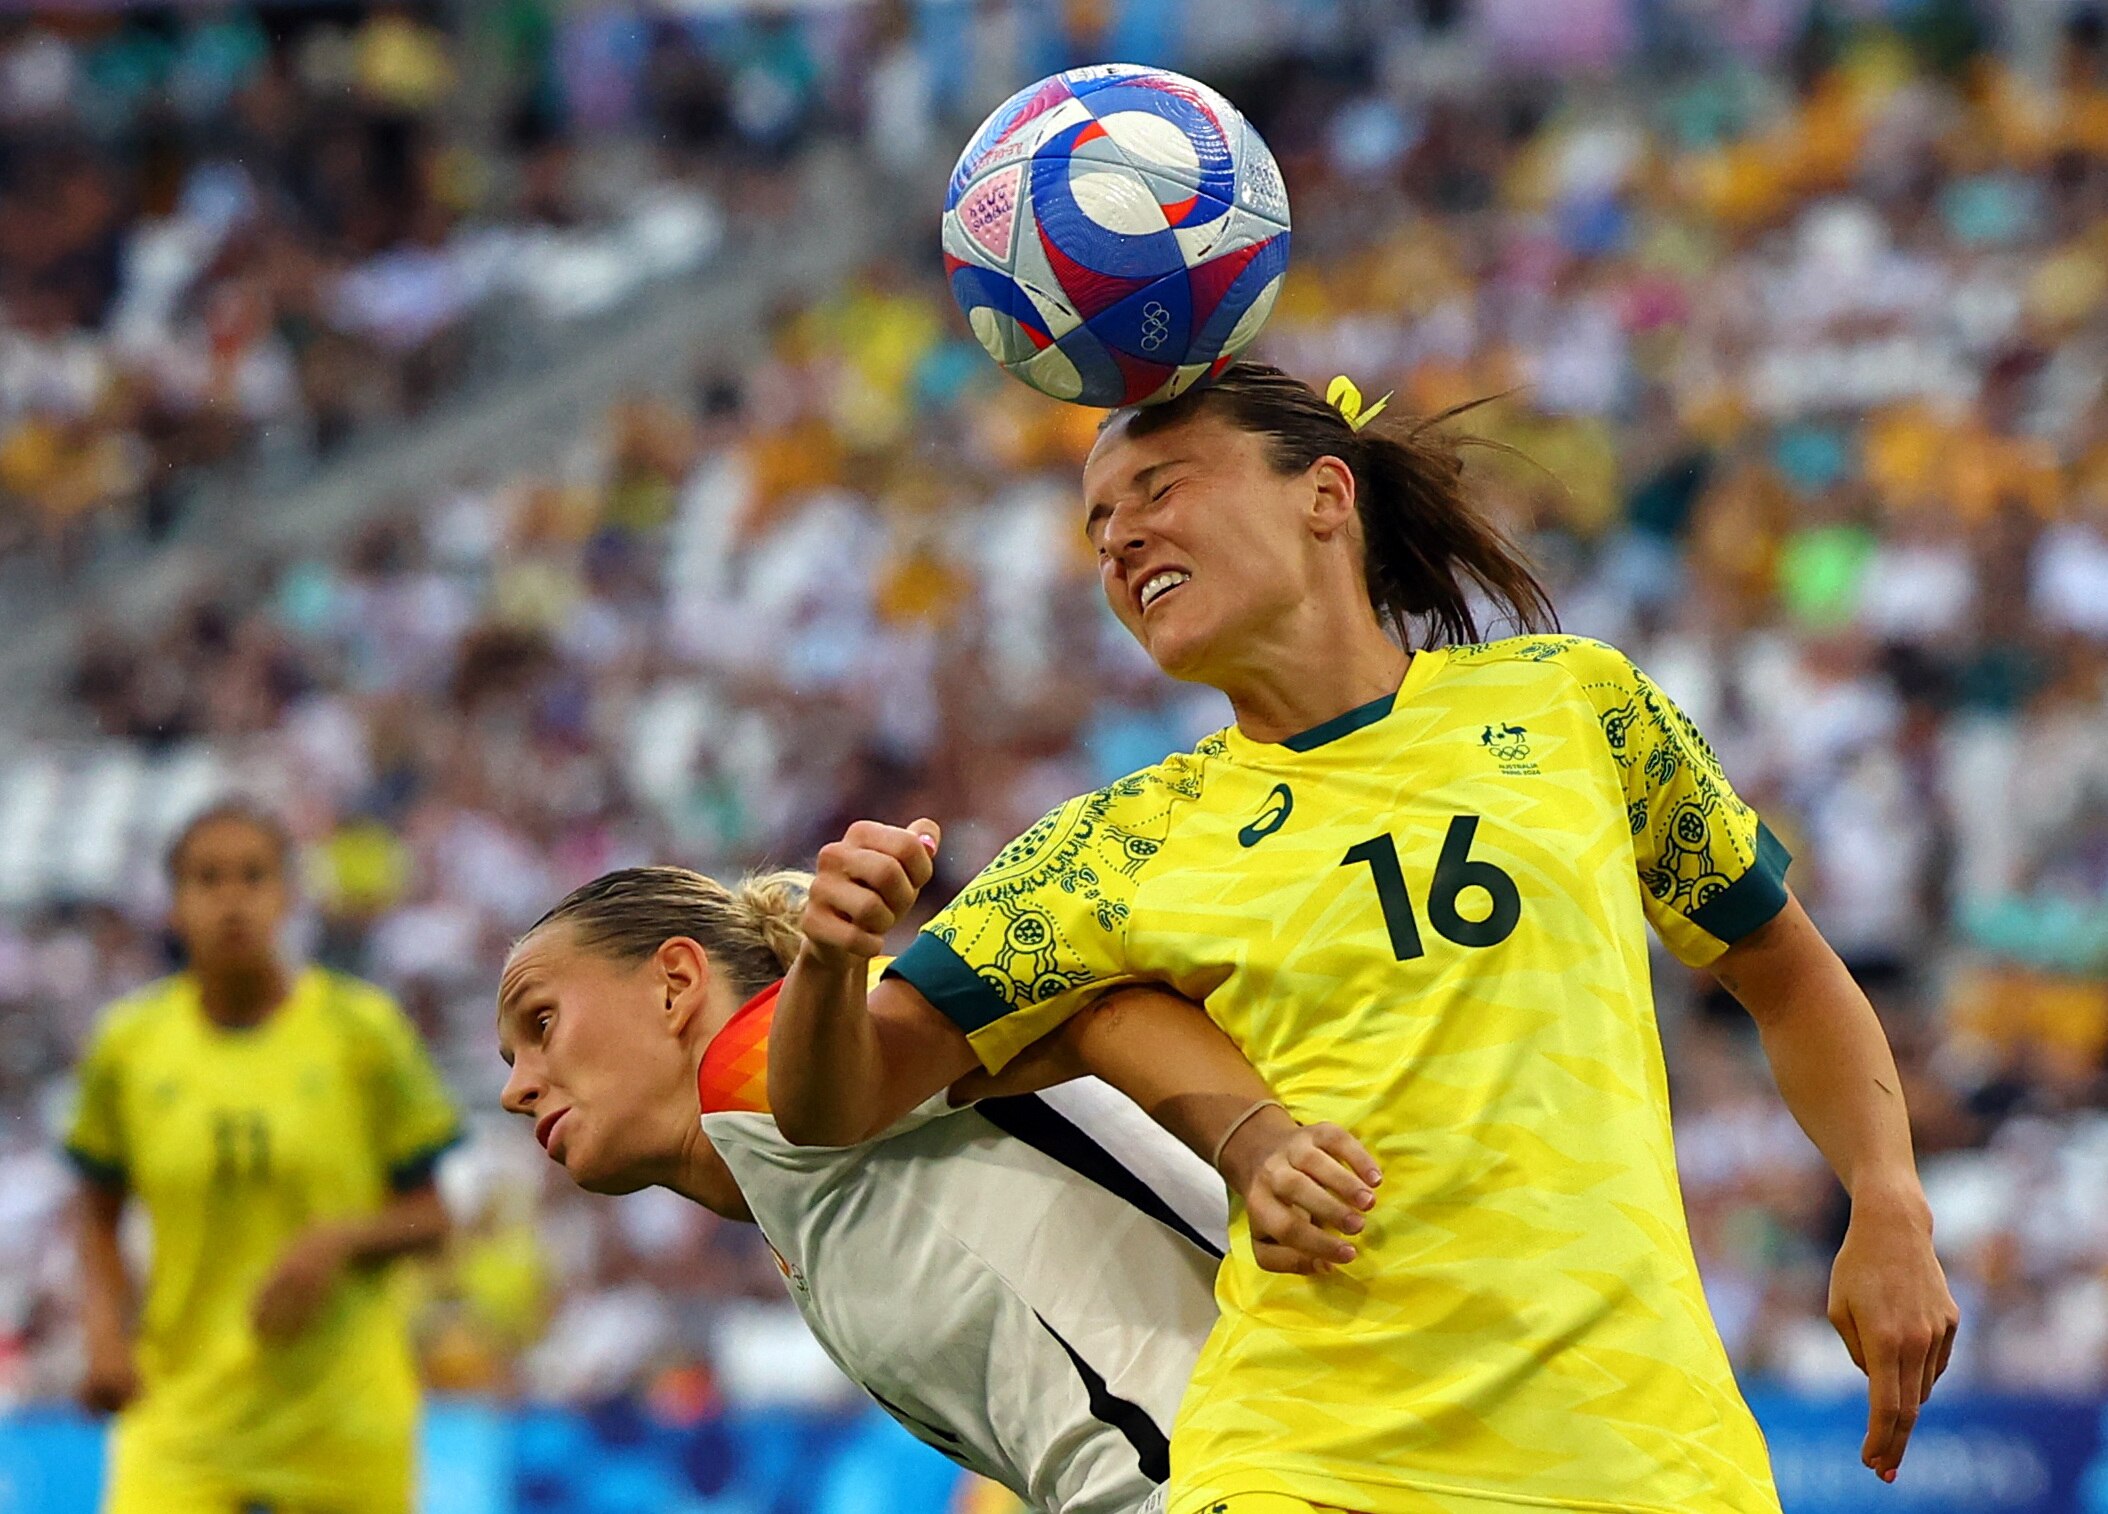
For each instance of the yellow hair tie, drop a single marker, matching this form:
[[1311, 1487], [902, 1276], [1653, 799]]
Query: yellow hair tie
[[1344, 395]]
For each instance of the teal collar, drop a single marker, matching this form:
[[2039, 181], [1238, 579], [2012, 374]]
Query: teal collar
[[1342, 725]]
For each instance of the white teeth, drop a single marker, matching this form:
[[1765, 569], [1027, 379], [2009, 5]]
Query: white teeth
[[1157, 583]]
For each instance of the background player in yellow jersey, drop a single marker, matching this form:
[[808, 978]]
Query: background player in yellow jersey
[[280, 1130], [1414, 886]]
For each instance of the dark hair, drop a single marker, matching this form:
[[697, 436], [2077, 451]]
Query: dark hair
[[1426, 548], [248, 812], [750, 930]]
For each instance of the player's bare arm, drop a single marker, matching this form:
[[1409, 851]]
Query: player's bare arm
[[1305, 1187], [845, 1062], [111, 1378], [1888, 1296], [413, 1222]]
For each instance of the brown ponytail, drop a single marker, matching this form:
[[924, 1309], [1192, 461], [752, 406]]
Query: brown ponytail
[[750, 931], [1428, 552]]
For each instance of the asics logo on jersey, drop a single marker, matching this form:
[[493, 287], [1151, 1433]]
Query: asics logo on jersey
[[1280, 804]]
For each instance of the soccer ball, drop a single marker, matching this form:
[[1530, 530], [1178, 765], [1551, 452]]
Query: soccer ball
[[1116, 234]]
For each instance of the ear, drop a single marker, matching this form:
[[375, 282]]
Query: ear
[[684, 977], [1331, 508]]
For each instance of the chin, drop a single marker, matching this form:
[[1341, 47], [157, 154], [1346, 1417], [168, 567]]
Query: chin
[[609, 1184], [1179, 657], [602, 1176]]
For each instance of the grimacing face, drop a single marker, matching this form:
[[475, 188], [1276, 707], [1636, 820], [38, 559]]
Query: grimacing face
[[230, 895], [1202, 545], [597, 1058]]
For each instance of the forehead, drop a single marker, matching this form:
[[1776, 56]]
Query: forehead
[[530, 966], [1124, 449], [226, 836]]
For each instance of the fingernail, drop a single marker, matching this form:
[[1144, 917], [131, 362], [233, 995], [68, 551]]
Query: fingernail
[[1365, 1200], [929, 844], [1374, 1175], [1345, 1253], [1353, 1224], [1889, 1475]]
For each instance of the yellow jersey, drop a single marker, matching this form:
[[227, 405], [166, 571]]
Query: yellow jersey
[[236, 1142], [1425, 920]]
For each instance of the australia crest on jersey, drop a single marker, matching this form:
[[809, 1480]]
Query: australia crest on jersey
[[1508, 745]]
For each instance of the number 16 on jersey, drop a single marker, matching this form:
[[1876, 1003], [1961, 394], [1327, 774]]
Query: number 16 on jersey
[[1455, 871]]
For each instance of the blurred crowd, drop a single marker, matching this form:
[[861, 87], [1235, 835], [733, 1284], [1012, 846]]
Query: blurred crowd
[[1802, 350], [234, 237]]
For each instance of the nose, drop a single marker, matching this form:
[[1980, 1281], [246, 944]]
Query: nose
[[523, 1088], [1124, 537]]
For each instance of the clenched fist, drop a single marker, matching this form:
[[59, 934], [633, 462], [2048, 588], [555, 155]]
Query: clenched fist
[[863, 885]]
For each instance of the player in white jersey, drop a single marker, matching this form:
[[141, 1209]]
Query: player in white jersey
[[1024, 1282]]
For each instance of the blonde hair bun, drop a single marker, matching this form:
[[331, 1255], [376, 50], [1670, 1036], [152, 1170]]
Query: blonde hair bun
[[772, 903]]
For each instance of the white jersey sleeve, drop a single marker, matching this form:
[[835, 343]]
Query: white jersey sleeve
[[1024, 1284]]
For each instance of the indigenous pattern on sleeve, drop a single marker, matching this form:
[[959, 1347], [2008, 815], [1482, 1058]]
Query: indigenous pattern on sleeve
[[1712, 871], [1044, 925]]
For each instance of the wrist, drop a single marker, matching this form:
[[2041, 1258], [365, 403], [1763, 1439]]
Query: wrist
[[1891, 1196], [832, 962], [1251, 1143]]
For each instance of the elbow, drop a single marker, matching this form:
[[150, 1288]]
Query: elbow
[[422, 1221], [804, 1120], [816, 1128]]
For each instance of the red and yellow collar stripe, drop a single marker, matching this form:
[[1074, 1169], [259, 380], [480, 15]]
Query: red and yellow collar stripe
[[734, 1077]]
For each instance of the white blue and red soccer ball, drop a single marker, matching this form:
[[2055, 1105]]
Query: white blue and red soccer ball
[[1116, 234]]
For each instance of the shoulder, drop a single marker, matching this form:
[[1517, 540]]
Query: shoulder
[[1576, 667], [1100, 838], [354, 998], [125, 1022], [365, 1013], [1581, 659]]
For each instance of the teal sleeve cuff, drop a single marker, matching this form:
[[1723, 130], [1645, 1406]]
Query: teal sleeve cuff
[[1753, 899], [416, 1169], [102, 1174], [941, 976]]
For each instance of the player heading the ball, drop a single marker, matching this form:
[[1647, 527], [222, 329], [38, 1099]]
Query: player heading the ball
[[1414, 882]]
